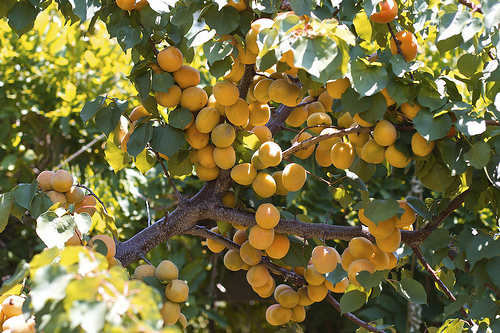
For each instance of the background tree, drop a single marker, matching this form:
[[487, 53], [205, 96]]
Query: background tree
[[421, 130]]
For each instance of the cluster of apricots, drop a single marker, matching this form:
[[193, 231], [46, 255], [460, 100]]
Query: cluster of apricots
[[176, 290], [12, 318], [59, 187]]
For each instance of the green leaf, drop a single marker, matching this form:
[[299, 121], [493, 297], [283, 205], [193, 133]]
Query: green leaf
[[419, 207], [49, 283], [90, 315], [221, 67], [452, 326], [484, 308], [493, 269], [143, 84], [377, 109], [341, 195], [224, 227], [302, 7], [352, 301], [337, 275], [438, 177], [368, 78], [179, 164], [115, 157], [468, 64], [369, 280], [162, 82], [91, 108], [54, 230], [21, 272], [216, 50], [355, 181], [40, 204], [145, 161], [224, 21], [381, 210], [412, 290], [452, 154], [6, 202], [479, 155], [470, 126], [363, 169], [107, 118], [354, 103], [85, 9], [167, 139], [451, 24], [456, 305], [139, 138], [22, 17], [492, 171], [430, 126], [25, 193], [179, 118], [83, 222], [298, 255], [153, 19], [481, 246], [314, 55], [201, 37], [429, 97]]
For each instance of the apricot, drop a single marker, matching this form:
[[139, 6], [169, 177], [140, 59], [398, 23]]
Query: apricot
[[342, 155], [304, 153], [267, 289], [137, 113], [388, 99], [226, 93], [194, 99], [339, 287], [238, 112], [347, 259], [277, 315], [225, 158], [327, 101], [304, 298], [263, 133], [420, 146], [207, 119], [86, 205], [62, 181], [75, 240], [170, 312], [260, 238], [125, 4], [297, 117], [390, 243], [212, 102], [206, 156], [396, 158], [279, 90], [243, 173], [270, 153], [379, 259], [357, 266], [280, 187], [361, 248], [195, 138], [143, 271], [327, 145], [384, 133], [267, 216], [294, 97], [337, 87], [245, 55], [319, 119], [288, 298], [387, 11], [260, 113], [324, 259], [358, 139], [408, 46], [44, 179], [257, 275], [261, 89], [384, 228], [298, 314], [251, 36], [294, 177], [166, 271], [408, 217], [213, 245], [357, 118], [186, 76], [249, 254], [13, 306], [393, 261], [56, 197], [315, 107], [312, 276], [177, 291], [322, 157], [229, 199], [279, 248], [410, 111], [372, 152], [74, 195], [110, 246], [170, 59], [345, 119], [317, 293], [223, 135]]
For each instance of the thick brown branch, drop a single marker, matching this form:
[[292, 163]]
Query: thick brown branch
[[246, 80], [275, 124]]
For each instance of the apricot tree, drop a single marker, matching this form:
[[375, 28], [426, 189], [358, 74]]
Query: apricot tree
[[400, 203]]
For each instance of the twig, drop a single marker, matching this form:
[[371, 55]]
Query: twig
[[81, 150], [350, 316], [447, 292], [398, 45], [94, 195], [454, 205]]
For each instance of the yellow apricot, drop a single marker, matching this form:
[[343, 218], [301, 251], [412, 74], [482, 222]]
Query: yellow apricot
[[245, 55], [396, 158], [260, 113], [193, 98], [339, 287], [240, 237], [137, 113], [345, 120], [288, 298], [327, 145], [108, 242], [205, 173], [177, 291], [270, 153], [304, 298], [379, 259], [408, 217], [304, 153], [357, 266], [260, 238], [319, 119], [74, 240], [251, 37], [214, 245], [372, 152], [207, 119], [223, 135], [312, 276], [279, 248], [393, 261], [277, 315], [206, 156], [263, 133], [170, 59], [125, 4], [294, 177], [317, 293], [267, 289], [327, 100], [280, 187], [337, 87], [361, 248], [264, 185], [233, 261], [44, 179], [143, 271], [384, 133], [212, 102], [315, 107], [324, 259], [298, 314], [384, 228], [183, 321], [410, 111], [279, 90], [279, 289], [388, 99], [347, 259], [420, 146], [74, 195], [56, 197], [294, 97], [358, 139], [243, 173], [170, 312], [225, 158], [342, 155], [226, 93], [257, 163], [12, 306], [390, 243], [249, 254], [257, 275], [86, 205], [267, 216], [322, 157], [238, 112], [297, 117], [62, 181], [195, 138], [166, 271], [261, 89], [186, 76]]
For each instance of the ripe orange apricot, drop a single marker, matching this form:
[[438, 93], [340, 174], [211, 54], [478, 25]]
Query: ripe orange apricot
[[249, 254], [187, 76], [337, 87], [223, 135], [263, 133], [280, 187], [318, 292], [396, 158], [170, 59], [267, 216], [44, 179], [288, 298], [304, 153], [357, 266], [195, 138], [260, 238], [166, 271], [390, 243], [138, 112], [213, 245], [318, 118], [408, 217], [372, 152], [297, 117], [279, 90], [205, 173], [410, 111], [327, 145], [243, 173], [62, 181], [267, 289], [257, 275], [294, 177], [125, 4], [339, 287], [342, 155], [277, 315], [357, 118], [387, 12], [324, 259], [110, 250], [193, 98], [279, 248], [177, 291], [361, 248], [384, 133], [170, 98], [226, 93], [409, 45], [225, 158], [206, 156], [86, 205], [260, 113], [170, 312], [380, 259], [143, 271], [270, 153], [264, 185], [347, 259], [312, 276], [322, 157], [207, 119], [304, 299], [420, 146], [315, 107], [238, 112], [298, 314], [74, 195], [56, 197]]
